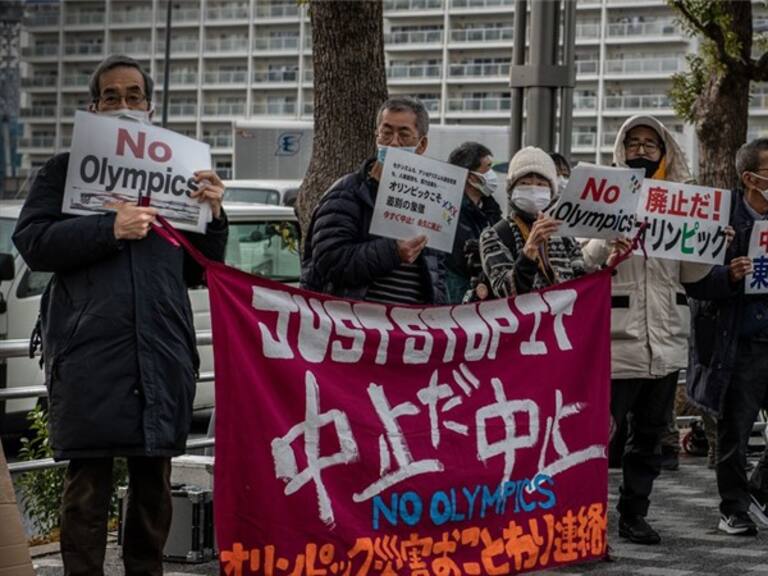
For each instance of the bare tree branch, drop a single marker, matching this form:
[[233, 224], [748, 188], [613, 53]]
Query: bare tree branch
[[712, 32]]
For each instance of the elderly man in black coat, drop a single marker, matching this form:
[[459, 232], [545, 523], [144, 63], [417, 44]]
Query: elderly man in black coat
[[343, 258], [118, 343]]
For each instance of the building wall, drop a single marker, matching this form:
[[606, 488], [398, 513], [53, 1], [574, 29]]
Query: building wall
[[253, 59]]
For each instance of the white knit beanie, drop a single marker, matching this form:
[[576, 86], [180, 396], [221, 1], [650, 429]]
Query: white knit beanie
[[531, 160]]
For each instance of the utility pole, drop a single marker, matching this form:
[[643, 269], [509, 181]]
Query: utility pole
[[167, 71], [545, 77], [10, 27]]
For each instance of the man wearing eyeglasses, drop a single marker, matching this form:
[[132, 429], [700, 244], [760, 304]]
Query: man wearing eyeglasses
[[649, 331], [118, 343], [342, 257]]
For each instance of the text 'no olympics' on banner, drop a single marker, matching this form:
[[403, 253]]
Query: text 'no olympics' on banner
[[118, 160], [418, 195], [599, 202]]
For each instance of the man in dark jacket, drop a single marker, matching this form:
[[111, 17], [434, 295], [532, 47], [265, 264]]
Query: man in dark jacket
[[118, 343], [342, 257], [729, 352], [478, 211]]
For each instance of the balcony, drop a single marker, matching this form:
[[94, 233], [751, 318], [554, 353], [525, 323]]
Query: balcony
[[42, 19], [583, 139], [76, 81], [85, 18], [309, 108], [179, 78], [645, 66], [481, 4], [758, 100], [39, 112], [38, 142], [287, 10], [239, 12], [638, 102], [587, 31], [277, 43], [417, 71], [431, 104], [478, 104], [131, 17], [41, 50], [276, 76], [179, 109], [482, 35], [87, 49], [235, 44], [584, 102], [218, 140], [188, 46], [133, 47], [226, 77], [48, 81], [665, 28], [586, 67], [414, 37], [275, 108], [411, 5], [179, 15], [224, 109], [485, 70]]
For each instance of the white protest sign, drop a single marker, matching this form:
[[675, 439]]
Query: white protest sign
[[599, 202], [418, 195], [685, 222], [120, 160], [757, 281]]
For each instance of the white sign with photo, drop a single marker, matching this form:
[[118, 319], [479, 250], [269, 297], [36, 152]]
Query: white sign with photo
[[114, 160]]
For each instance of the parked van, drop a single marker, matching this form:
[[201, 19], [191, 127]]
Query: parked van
[[277, 192], [263, 240]]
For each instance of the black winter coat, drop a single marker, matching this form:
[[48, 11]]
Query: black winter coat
[[341, 257], [716, 316], [118, 337]]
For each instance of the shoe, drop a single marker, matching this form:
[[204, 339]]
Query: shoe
[[637, 530], [669, 460], [737, 524], [758, 509]]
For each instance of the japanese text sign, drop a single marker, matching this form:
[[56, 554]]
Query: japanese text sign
[[757, 281], [685, 222], [355, 438], [599, 202], [113, 160], [418, 195]]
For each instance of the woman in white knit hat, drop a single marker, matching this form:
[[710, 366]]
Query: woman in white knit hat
[[520, 254]]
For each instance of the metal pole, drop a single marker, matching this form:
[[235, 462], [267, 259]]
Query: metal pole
[[541, 101], [566, 95], [167, 71], [517, 94]]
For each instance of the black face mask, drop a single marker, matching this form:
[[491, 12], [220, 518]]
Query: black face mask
[[650, 166]]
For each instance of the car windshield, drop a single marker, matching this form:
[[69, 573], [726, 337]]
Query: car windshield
[[269, 249], [254, 195], [7, 226]]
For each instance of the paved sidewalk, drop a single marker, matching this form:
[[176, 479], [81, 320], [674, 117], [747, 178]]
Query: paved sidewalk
[[683, 509]]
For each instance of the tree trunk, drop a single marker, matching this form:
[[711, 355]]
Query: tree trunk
[[722, 108], [350, 84], [721, 126]]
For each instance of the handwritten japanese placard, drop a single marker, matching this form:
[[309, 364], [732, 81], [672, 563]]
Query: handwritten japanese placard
[[357, 438], [418, 195], [757, 281], [685, 222], [599, 202]]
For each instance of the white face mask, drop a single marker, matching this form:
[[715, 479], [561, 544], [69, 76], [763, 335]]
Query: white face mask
[[488, 183], [562, 183], [140, 116], [764, 191], [531, 199], [381, 151]]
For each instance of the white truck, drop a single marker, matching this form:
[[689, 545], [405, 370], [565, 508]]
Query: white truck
[[263, 240]]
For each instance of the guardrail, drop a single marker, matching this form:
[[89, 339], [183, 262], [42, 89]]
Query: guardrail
[[20, 349]]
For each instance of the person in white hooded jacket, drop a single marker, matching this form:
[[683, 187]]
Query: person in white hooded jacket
[[649, 331]]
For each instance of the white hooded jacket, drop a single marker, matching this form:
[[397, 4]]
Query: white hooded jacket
[[650, 319]]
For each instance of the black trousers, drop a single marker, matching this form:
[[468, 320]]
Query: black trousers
[[747, 393], [650, 402], [85, 508]]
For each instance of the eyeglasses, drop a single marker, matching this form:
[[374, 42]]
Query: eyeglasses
[[405, 137], [648, 145], [114, 99]]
